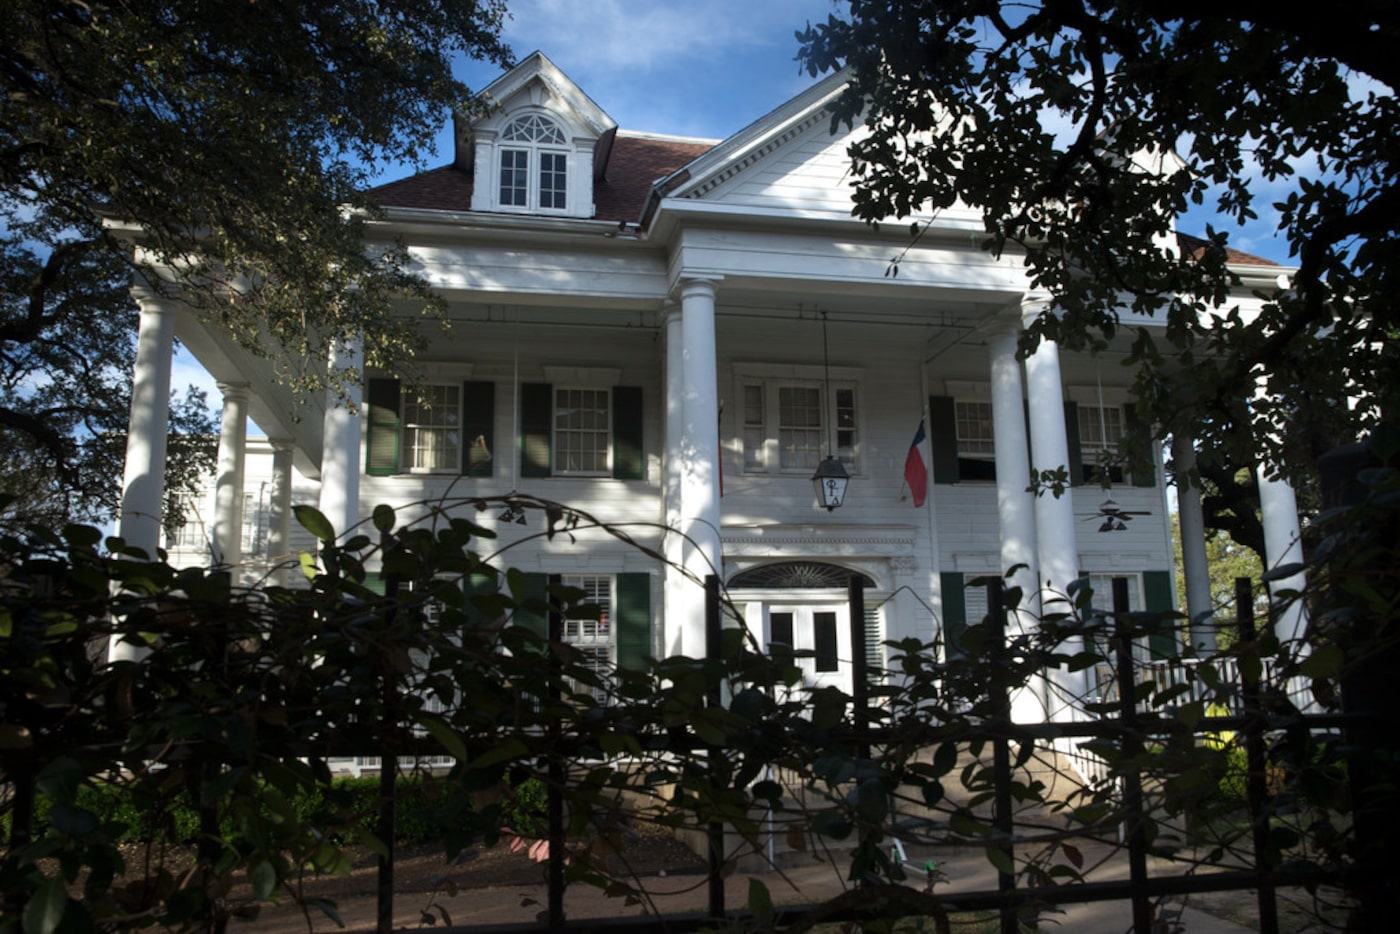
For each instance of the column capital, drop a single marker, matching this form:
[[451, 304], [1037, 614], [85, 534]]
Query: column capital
[[233, 392], [281, 445], [1035, 304], [699, 286]]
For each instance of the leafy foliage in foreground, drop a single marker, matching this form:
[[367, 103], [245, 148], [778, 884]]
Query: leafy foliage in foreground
[[242, 697]]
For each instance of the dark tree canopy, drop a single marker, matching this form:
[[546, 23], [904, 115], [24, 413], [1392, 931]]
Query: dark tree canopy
[[229, 141], [957, 94]]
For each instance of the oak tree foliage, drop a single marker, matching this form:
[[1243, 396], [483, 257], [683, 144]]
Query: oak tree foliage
[[217, 151], [1157, 106]]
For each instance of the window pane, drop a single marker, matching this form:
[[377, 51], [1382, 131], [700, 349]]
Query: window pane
[[1100, 427], [780, 628], [824, 641], [594, 638], [553, 182], [799, 426], [846, 426], [533, 128], [515, 177], [581, 431], [432, 428], [975, 428]]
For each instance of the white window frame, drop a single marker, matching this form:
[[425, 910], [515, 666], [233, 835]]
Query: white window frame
[[560, 432], [594, 638], [408, 428], [974, 411], [769, 380], [548, 137], [193, 534]]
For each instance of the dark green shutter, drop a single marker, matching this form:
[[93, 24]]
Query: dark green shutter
[[1145, 475], [374, 582], [536, 587], [478, 428], [1075, 444], [943, 437], [627, 453], [954, 613], [1157, 598], [536, 429], [382, 428], [632, 604], [479, 584]]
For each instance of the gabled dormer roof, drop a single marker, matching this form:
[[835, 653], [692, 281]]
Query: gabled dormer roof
[[535, 82]]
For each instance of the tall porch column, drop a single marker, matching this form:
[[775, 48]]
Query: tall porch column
[[1282, 545], [280, 508], [228, 484], [677, 589], [1056, 548], [143, 479], [1015, 503], [1194, 567], [699, 455], [340, 442]]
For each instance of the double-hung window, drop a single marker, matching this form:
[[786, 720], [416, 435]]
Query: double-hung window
[[1100, 428], [534, 167], [433, 428], [594, 639], [961, 434], [791, 425], [582, 432]]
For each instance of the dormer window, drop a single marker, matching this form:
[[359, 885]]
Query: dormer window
[[534, 165]]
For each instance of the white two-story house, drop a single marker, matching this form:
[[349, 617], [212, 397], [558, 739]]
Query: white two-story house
[[672, 335]]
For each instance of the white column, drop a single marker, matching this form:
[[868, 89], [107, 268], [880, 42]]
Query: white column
[[280, 510], [1015, 503], [1194, 567], [1282, 545], [699, 450], [143, 480], [1056, 548], [340, 442], [228, 483], [677, 589]]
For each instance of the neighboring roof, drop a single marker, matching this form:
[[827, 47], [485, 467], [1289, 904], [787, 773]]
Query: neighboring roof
[[1193, 247], [637, 161]]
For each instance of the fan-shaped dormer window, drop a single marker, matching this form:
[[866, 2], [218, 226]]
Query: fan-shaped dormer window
[[534, 173]]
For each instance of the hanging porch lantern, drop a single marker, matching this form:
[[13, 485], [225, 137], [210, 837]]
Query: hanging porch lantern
[[830, 482]]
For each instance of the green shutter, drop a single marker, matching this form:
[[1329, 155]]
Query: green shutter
[[627, 453], [1076, 448], [382, 428], [632, 605], [954, 613], [478, 428], [479, 584], [374, 582], [943, 436], [1157, 598], [1142, 476], [536, 429], [537, 587]]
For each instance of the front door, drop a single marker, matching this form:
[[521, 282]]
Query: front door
[[821, 633]]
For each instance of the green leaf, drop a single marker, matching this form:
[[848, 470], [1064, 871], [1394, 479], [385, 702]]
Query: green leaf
[[442, 731], [384, 518], [1000, 859], [502, 752], [311, 519], [308, 564], [1325, 662], [263, 878], [45, 908], [760, 903]]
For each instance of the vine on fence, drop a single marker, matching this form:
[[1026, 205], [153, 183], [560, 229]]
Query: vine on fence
[[240, 697]]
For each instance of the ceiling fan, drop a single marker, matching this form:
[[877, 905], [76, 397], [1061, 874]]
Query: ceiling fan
[[1115, 518]]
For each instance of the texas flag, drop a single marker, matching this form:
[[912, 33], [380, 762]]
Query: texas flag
[[915, 470]]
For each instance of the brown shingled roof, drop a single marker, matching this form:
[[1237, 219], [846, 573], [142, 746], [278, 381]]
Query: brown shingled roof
[[1192, 248], [635, 164]]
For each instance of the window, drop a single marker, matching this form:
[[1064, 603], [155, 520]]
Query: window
[[594, 639], [432, 435], [438, 428], [252, 525], [791, 427], [1100, 428], [582, 432], [533, 176], [975, 437], [191, 535]]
